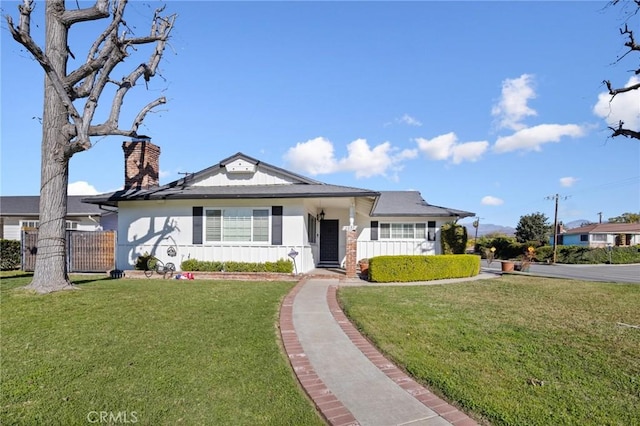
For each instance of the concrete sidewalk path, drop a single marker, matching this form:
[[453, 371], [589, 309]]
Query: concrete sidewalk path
[[349, 381]]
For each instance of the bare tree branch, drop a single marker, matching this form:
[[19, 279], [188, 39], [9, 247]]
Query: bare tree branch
[[633, 47], [22, 34], [621, 131], [614, 92], [98, 11]]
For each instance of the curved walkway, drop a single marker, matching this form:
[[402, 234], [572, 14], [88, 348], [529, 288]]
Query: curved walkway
[[349, 381]]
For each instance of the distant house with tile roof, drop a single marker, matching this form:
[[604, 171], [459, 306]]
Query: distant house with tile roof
[[18, 213], [243, 209], [602, 235]]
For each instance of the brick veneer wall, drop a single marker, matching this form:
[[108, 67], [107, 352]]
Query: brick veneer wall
[[141, 164], [352, 253]]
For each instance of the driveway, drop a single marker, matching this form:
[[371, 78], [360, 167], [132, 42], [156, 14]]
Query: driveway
[[607, 273]]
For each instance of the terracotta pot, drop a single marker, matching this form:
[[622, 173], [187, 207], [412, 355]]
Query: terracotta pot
[[508, 266]]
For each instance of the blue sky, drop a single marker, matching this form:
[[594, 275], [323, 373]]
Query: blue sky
[[487, 107]]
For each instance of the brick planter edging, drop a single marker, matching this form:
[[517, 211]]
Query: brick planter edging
[[419, 392], [331, 409], [242, 276]]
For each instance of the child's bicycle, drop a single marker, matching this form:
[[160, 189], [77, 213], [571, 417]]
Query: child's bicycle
[[165, 269]]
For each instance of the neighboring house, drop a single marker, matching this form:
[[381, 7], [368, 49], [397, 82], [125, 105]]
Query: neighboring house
[[601, 235], [243, 209], [18, 213]]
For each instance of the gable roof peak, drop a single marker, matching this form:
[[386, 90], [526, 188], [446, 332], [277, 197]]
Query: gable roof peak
[[239, 155]]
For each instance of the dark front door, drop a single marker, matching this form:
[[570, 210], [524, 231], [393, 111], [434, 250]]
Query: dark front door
[[329, 256]]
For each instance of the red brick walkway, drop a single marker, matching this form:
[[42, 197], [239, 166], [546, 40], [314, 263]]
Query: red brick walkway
[[333, 410]]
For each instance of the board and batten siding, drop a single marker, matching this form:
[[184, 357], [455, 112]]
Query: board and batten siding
[[222, 178], [153, 227], [368, 247]]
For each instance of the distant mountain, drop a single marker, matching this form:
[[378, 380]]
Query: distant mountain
[[488, 228], [576, 223]]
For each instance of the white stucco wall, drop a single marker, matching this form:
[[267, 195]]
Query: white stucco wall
[[153, 227]]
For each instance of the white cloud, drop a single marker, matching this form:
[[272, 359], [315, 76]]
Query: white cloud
[[491, 201], [469, 151], [512, 107], [438, 148], [446, 147], [568, 181], [407, 119], [623, 107], [81, 188], [531, 138], [316, 156]]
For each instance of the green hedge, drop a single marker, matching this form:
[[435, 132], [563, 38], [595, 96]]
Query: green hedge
[[508, 248], [586, 255], [423, 268], [193, 265], [10, 256]]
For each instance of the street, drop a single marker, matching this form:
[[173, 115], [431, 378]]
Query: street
[[608, 273]]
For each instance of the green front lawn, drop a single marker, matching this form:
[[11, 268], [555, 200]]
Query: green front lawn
[[158, 352], [514, 350]]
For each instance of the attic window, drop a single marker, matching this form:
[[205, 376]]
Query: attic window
[[240, 166]]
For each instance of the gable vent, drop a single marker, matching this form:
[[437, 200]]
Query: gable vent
[[240, 166]]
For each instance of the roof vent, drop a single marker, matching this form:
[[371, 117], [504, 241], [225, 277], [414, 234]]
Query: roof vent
[[240, 166]]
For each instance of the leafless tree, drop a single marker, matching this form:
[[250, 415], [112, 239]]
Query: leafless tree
[[633, 48], [67, 129]]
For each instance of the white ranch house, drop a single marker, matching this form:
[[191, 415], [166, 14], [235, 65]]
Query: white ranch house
[[242, 209]]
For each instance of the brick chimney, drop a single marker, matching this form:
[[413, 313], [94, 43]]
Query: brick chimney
[[141, 163]]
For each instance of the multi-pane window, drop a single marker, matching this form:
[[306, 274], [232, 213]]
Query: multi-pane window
[[237, 225], [34, 224], [311, 228], [584, 237], [408, 231], [601, 238]]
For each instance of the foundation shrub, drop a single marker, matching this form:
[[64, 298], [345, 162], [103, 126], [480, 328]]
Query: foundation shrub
[[10, 256], [423, 268], [280, 266]]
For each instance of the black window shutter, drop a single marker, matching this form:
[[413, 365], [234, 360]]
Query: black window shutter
[[197, 225], [276, 225], [374, 230]]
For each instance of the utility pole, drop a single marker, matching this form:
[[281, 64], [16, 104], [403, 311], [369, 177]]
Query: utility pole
[[600, 215], [555, 225], [476, 224]]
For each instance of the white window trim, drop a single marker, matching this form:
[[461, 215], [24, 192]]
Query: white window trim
[[236, 243], [381, 225]]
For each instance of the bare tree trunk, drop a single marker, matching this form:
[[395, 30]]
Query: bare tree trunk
[[66, 131], [51, 264]]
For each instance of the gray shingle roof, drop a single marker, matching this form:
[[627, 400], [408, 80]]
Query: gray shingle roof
[[389, 203], [411, 203], [29, 205], [232, 192]]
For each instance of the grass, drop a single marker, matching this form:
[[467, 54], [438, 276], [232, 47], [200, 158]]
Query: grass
[[157, 352], [515, 350]]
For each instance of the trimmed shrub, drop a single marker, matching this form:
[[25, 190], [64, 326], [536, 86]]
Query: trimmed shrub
[[142, 262], [284, 266], [10, 256], [453, 238], [423, 268], [585, 255]]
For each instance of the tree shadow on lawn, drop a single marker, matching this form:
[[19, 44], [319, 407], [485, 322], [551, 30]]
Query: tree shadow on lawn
[[17, 279]]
